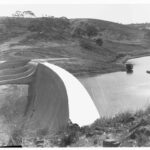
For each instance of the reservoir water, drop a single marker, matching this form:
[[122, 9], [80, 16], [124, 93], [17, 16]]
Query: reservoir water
[[118, 92]]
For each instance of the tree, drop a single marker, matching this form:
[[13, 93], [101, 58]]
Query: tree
[[91, 31], [28, 12], [99, 41], [18, 14]]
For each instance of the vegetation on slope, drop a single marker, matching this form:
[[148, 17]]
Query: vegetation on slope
[[92, 46], [126, 129]]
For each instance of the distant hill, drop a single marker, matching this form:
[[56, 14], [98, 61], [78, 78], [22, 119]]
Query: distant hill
[[141, 26]]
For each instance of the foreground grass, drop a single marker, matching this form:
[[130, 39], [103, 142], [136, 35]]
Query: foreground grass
[[128, 129]]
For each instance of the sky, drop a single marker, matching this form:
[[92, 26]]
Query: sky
[[121, 13]]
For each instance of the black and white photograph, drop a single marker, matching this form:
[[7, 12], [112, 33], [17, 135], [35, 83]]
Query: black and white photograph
[[74, 74]]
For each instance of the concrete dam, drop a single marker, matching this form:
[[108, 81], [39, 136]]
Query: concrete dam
[[54, 95]]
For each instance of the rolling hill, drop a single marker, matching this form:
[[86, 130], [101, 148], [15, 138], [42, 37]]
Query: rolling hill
[[91, 46]]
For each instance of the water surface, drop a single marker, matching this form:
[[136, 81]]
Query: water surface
[[119, 92]]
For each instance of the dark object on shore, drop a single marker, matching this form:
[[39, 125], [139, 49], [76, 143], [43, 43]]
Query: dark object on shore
[[129, 68], [148, 71], [110, 143]]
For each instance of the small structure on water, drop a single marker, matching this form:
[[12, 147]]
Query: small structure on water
[[148, 71], [129, 68]]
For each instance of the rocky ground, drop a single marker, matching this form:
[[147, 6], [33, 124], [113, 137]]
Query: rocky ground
[[124, 130]]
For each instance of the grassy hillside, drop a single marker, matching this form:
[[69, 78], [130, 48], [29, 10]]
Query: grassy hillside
[[75, 39], [109, 30]]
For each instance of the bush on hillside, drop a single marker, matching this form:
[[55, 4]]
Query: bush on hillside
[[91, 31], [85, 30], [78, 32], [66, 136], [86, 44], [120, 55], [99, 42]]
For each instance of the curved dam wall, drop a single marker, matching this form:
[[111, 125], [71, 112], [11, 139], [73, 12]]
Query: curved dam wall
[[47, 106], [81, 107], [54, 95]]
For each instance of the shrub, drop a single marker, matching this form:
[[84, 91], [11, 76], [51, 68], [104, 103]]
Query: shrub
[[99, 41], [85, 30], [124, 118], [67, 136], [87, 44], [78, 32], [91, 30], [120, 55]]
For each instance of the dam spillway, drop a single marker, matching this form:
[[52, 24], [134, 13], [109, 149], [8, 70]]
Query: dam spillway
[[54, 95]]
